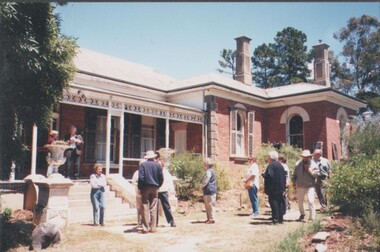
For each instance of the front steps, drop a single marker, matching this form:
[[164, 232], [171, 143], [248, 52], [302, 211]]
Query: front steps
[[80, 207]]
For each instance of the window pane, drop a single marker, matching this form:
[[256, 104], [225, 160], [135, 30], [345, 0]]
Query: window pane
[[296, 125]]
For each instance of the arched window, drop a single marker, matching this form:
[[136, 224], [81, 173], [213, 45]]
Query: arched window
[[295, 131]]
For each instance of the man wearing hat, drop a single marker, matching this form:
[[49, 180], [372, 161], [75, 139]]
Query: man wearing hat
[[304, 181], [324, 173], [150, 179]]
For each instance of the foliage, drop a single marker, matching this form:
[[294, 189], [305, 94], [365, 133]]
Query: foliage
[[340, 76], [361, 50], [291, 154], [281, 63], [365, 139], [228, 62], [292, 56], [357, 180], [36, 64], [372, 98], [189, 168], [6, 214], [263, 66], [223, 181], [291, 243]]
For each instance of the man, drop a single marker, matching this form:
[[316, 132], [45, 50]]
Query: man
[[209, 190], [304, 181], [252, 179], [53, 136], [73, 153], [150, 179], [163, 194], [275, 186], [324, 173]]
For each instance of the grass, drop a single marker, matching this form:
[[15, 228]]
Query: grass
[[291, 242]]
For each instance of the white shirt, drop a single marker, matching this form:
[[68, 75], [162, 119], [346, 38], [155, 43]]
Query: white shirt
[[98, 181], [167, 185], [135, 179], [253, 170]]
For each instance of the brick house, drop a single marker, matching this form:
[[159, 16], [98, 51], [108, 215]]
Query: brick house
[[124, 109]]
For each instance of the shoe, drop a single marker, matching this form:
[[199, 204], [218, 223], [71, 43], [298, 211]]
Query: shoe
[[206, 221], [143, 232], [95, 224], [173, 224], [102, 225], [153, 231], [273, 223], [301, 218], [210, 222]]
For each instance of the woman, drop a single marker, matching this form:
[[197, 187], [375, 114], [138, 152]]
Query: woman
[[252, 179], [209, 190], [98, 182]]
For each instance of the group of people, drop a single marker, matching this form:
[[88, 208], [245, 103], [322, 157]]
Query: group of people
[[310, 175], [72, 154], [153, 184]]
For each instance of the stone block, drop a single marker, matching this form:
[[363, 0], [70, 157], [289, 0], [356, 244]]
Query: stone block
[[320, 236]]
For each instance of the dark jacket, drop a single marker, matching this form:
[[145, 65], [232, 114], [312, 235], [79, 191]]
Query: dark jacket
[[275, 179], [150, 174], [210, 187]]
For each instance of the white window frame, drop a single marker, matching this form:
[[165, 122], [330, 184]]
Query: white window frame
[[234, 113], [288, 130], [251, 133]]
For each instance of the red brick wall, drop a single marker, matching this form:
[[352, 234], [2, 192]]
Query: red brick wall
[[194, 137], [322, 126], [223, 115]]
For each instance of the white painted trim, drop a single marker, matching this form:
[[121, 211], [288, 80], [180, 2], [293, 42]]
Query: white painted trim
[[292, 111], [167, 132], [121, 142], [34, 150], [108, 143]]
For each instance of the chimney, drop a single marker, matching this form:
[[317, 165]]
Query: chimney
[[243, 61], [321, 64]]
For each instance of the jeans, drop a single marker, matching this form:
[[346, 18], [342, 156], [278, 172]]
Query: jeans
[[210, 203], [98, 205], [310, 199], [254, 199], [72, 164], [164, 198]]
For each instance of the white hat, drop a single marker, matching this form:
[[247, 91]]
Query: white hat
[[306, 153], [53, 132], [150, 154]]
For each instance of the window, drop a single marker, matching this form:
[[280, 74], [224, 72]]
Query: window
[[295, 131], [237, 141]]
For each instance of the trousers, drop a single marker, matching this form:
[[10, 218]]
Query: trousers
[[210, 203], [164, 198], [98, 205], [149, 195], [309, 192]]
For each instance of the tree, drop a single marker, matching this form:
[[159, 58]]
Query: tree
[[361, 50], [228, 62], [36, 64], [340, 76], [264, 66], [292, 56]]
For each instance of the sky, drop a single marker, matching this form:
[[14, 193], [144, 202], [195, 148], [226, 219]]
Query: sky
[[185, 39]]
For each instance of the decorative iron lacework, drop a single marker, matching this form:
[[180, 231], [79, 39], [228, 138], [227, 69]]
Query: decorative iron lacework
[[133, 108], [85, 100]]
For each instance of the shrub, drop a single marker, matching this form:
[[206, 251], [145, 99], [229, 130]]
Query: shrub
[[222, 178], [189, 168], [365, 138], [354, 185], [6, 214]]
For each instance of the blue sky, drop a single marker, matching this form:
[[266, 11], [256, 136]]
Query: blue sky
[[185, 39]]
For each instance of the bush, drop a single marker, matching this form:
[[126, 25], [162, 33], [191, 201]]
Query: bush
[[189, 168], [6, 215], [222, 178], [355, 185], [365, 138]]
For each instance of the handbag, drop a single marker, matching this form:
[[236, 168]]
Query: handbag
[[248, 185]]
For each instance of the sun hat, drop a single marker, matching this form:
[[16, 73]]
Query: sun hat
[[150, 154], [306, 153], [53, 132]]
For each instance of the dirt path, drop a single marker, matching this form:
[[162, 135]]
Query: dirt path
[[233, 231]]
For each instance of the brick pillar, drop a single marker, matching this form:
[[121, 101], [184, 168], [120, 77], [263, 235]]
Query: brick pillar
[[212, 127]]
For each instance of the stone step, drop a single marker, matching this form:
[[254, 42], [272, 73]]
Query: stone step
[[87, 201], [83, 189], [85, 195]]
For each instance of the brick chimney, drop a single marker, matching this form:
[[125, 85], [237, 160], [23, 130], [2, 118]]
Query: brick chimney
[[243, 61], [321, 65]]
